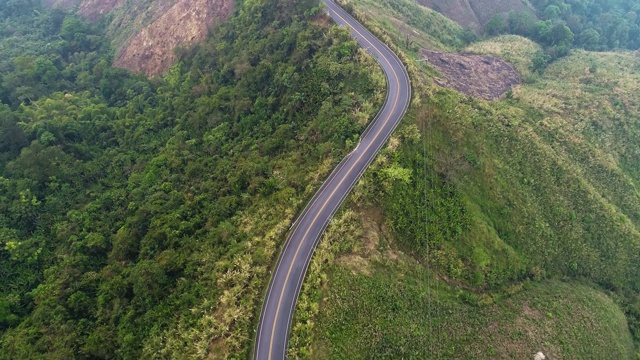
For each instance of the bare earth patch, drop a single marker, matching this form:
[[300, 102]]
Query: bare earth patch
[[165, 25], [482, 76], [186, 23]]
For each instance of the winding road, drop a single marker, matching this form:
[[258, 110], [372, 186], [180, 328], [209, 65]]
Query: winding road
[[277, 310]]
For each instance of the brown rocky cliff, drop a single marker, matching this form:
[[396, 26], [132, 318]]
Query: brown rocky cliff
[[146, 32], [187, 22]]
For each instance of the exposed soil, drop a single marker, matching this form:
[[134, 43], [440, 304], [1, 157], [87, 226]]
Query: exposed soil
[[185, 23], [482, 76], [165, 24]]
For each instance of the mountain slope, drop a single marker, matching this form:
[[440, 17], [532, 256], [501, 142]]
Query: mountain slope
[[476, 203], [475, 14], [139, 218], [147, 33], [151, 50]]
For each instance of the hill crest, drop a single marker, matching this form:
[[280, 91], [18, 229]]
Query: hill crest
[[145, 34], [475, 14]]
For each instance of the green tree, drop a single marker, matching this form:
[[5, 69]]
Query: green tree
[[589, 39], [552, 12], [497, 25], [542, 29], [521, 24], [148, 281], [12, 139], [539, 61], [560, 35]]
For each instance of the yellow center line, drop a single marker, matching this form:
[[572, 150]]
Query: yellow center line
[[295, 256]]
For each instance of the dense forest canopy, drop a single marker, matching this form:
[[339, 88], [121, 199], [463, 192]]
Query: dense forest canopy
[[48, 51], [597, 25], [124, 201]]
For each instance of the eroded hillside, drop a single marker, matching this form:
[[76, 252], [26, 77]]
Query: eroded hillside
[[151, 50], [92, 9], [146, 33]]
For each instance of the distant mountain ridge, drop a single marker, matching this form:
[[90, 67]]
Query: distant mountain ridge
[[475, 14], [145, 33]]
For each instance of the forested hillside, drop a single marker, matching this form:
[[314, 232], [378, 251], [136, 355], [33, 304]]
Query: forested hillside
[[596, 25], [145, 33], [139, 218], [557, 25], [563, 25]]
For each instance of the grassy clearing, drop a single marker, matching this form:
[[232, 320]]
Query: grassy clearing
[[386, 315], [514, 49], [594, 87]]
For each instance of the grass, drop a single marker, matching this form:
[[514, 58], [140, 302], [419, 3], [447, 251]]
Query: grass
[[544, 176], [514, 49], [385, 315], [410, 24]]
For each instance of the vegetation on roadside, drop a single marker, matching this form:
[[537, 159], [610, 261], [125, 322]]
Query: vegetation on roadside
[[140, 218], [420, 27], [496, 202]]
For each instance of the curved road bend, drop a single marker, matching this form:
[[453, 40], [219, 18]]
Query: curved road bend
[[277, 310]]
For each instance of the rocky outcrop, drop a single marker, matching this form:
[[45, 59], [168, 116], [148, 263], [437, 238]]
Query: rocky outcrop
[[146, 32], [185, 23]]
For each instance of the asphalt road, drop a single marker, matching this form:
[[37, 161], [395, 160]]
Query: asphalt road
[[277, 310]]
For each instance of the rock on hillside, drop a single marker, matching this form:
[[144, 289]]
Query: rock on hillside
[[474, 14], [146, 32], [151, 50]]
